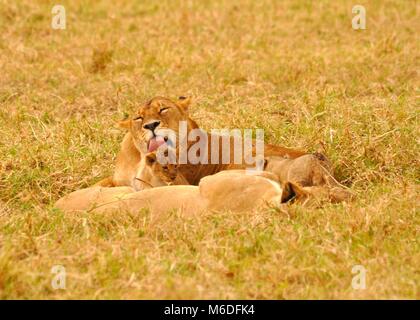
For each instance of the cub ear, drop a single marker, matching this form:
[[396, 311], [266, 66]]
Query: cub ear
[[150, 158], [125, 124], [291, 191], [184, 102]]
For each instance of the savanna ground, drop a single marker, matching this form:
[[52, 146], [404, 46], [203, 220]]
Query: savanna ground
[[295, 68]]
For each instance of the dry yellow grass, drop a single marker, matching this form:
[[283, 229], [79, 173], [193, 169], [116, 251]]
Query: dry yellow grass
[[295, 68]]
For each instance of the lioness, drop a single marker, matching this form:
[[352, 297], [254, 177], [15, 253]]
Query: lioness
[[148, 130], [234, 190], [228, 190]]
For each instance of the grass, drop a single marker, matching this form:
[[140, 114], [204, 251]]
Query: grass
[[295, 68]]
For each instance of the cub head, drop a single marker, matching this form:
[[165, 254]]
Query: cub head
[[157, 122], [315, 195], [152, 174]]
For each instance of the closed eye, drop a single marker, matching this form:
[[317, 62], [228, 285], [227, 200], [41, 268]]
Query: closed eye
[[163, 110], [138, 118]]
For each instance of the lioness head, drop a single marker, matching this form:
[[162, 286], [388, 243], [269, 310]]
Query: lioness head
[[157, 122], [152, 174]]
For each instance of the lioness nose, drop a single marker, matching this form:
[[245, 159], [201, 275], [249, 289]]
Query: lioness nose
[[151, 125]]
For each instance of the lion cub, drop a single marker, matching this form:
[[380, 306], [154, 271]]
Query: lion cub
[[309, 175], [152, 174], [307, 170]]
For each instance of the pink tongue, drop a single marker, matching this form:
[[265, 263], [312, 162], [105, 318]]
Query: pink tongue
[[155, 143]]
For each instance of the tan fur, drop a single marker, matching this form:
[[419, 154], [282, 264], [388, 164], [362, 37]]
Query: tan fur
[[126, 166], [89, 198], [264, 174], [314, 195], [136, 141], [291, 166], [151, 174], [307, 178], [235, 191], [307, 170]]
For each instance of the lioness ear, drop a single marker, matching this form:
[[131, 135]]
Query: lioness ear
[[292, 190], [184, 102], [125, 124]]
